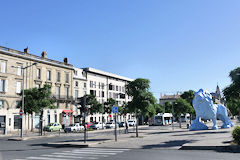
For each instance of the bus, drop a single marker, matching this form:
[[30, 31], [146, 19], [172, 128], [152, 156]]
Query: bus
[[160, 119]]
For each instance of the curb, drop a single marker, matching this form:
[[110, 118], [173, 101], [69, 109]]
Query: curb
[[231, 148], [67, 145]]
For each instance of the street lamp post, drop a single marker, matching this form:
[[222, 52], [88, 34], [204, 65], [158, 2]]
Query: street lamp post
[[22, 69], [173, 114]]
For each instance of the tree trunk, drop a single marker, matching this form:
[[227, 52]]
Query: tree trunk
[[180, 122], [32, 122], [136, 123], [41, 123]]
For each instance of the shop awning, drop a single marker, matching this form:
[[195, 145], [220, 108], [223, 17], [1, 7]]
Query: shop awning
[[67, 111]]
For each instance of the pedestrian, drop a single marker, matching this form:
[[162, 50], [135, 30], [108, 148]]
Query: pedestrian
[[126, 124]]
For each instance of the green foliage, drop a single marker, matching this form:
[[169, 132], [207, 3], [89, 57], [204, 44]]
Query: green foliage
[[37, 99], [94, 105], [108, 105], [181, 106], [232, 92], [159, 108], [236, 135], [188, 96], [168, 107], [143, 101]]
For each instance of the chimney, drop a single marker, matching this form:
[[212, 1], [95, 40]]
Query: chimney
[[26, 50], [65, 60], [44, 54]]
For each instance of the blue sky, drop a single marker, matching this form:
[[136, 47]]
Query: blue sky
[[177, 44]]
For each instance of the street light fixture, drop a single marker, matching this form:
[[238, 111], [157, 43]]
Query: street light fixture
[[23, 68]]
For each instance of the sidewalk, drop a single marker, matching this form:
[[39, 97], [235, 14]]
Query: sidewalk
[[162, 137], [159, 137]]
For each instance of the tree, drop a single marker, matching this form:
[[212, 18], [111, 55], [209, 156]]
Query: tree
[[94, 105], [188, 96], [168, 107], [159, 108], [36, 99], [181, 106], [232, 92], [108, 105], [142, 100]]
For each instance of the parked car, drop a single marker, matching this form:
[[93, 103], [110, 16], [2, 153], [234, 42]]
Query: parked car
[[53, 127], [98, 125], [88, 124], [111, 125], [131, 122], [73, 128], [122, 124]]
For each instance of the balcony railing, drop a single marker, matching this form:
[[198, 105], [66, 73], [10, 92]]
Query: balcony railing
[[62, 97]]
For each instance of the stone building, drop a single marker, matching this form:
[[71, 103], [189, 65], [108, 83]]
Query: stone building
[[44, 71]]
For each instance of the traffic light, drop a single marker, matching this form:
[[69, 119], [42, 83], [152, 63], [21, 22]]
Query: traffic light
[[82, 102]]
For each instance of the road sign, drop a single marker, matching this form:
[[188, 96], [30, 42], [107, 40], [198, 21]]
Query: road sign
[[20, 112], [115, 109]]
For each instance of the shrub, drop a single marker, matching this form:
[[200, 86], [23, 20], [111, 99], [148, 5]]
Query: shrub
[[236, 135]]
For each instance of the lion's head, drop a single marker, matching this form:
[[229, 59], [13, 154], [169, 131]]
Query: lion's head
[[203, 104]]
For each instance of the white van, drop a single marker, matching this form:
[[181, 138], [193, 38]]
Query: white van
[[131, 122]]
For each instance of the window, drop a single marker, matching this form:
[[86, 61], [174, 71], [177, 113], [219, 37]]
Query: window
[[85, 85], [123, 89], [58, 76], [99, 85], [110, 94], [19, 87], [67, 78], [102, 93], [66, 92], [55, 116], [120, 88], [76, 94], [76, 84], [91, 84], [1, 103], [18, 105], [102, 85], [3, 85], [75, 72], [3, 66], [116, 88], [93, 92], [38, 73], [49, 75], [19, 70], [57, 92], [110, 87], [17, 122], [48, 117]]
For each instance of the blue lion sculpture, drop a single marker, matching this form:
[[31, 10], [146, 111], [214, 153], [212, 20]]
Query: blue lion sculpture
[[206, 109]]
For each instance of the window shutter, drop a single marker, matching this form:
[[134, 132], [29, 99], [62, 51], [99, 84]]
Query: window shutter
[[3, 67], [6, 85], [18, 88], [1, 86]]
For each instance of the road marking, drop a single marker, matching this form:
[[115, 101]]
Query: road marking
[[91, 153], [44, 158], [84, 153], [67, 156], [77, 154]]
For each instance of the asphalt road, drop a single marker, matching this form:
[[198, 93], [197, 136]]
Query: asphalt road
[[115, 154], [38, 150]]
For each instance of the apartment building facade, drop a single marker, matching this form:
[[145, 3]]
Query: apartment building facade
[[105, 85], [45, 71]]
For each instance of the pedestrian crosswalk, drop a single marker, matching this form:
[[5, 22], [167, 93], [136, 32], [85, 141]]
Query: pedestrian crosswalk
[[83, 153]]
